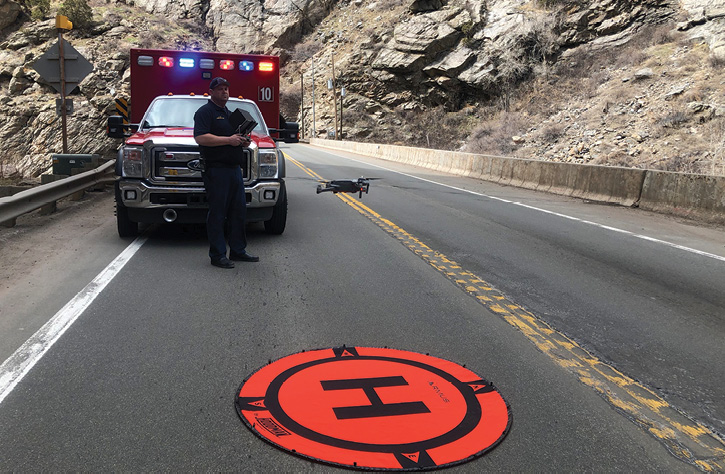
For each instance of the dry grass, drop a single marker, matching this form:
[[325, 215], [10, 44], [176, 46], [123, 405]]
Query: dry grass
[[715, 131], [495, 137]]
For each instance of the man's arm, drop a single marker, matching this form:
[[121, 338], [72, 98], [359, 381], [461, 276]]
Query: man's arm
[[211, 140]]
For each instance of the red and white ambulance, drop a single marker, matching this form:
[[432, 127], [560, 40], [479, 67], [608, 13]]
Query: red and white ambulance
[[167, 87]]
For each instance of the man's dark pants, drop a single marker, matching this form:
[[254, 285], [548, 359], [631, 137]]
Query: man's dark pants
[[227, 207]]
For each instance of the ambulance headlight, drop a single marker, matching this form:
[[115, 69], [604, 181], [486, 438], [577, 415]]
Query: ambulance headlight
[[133, 162], [268, 163]]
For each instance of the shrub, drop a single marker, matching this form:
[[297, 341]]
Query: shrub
[[39, 9], [306, 49], [673, 119], [552, 132], [78, 12], [290, 100], [716, 60], [494, 137]]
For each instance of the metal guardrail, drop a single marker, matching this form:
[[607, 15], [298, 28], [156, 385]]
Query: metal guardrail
[[11, 207]]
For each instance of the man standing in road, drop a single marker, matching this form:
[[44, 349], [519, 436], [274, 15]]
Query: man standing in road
[[221, 149]]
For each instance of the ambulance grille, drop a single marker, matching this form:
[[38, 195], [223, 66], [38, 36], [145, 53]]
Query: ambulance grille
[[169, 166]]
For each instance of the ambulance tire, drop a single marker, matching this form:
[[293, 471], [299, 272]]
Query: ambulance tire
[[277, 223], [126, 227]]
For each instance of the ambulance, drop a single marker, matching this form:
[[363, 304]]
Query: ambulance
[[157, 179]]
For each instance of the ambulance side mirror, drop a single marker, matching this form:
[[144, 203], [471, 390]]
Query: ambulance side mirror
[[116, 127]]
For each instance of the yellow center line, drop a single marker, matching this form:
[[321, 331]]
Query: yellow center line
[[684, 438]]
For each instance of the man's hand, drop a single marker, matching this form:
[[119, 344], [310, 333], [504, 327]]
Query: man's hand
[[238, 140]]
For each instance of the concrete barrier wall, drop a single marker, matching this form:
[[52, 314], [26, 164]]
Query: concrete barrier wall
[[688, 195]]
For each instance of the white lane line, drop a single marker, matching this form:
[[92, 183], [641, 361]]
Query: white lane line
[[19, 364], [601, 226]]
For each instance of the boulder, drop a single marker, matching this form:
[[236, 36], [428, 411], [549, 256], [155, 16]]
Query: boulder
[[9, 12], [420, 6], [424, 35], [399, 61], [481, 73], [645, 73], [450, 64]]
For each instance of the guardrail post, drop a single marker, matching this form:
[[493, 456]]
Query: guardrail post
[[49, 208], [9, 222]]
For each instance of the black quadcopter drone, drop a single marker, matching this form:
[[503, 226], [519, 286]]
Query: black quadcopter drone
[[359, 186]]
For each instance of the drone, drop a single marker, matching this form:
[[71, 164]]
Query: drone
[[359, 186]]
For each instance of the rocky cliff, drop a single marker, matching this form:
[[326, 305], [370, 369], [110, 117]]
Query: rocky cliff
[[541, 78]]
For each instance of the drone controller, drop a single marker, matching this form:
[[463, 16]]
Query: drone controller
[[242, 122]]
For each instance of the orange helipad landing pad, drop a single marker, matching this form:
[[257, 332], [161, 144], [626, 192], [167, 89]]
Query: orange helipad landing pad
[[372, 408]]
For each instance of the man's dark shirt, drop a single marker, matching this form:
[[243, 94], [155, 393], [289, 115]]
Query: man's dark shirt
[[210, 118]]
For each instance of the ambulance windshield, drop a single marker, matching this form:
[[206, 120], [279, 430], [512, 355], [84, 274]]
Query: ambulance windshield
[[165, 112]]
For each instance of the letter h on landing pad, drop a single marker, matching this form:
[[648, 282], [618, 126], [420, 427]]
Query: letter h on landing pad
[[377, 408]]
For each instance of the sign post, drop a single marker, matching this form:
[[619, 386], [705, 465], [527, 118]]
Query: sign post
[[333, 87], [60, 25]]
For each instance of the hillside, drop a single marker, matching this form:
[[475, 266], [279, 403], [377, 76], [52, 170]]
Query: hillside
[[612, 82]]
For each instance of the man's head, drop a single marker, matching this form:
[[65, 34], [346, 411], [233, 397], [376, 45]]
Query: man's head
[[219, 91]]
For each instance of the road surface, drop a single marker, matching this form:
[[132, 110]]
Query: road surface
[[601, 326]]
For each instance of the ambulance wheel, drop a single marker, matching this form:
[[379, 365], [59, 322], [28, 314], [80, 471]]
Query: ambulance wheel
[[126, 227], [278, 221]]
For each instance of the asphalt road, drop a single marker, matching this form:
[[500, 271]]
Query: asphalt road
[[146, 377]]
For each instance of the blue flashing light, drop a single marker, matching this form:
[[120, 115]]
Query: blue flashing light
[[246, 66], [186, 62]]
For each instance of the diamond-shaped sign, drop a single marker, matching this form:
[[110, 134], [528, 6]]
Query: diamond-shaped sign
[[76, 66]]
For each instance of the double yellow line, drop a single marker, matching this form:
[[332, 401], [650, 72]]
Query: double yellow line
[[686, 439]]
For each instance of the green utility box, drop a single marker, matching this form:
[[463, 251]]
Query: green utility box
[[64, 164]]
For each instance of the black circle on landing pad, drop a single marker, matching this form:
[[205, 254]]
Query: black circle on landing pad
[[472, 417], [373, 408]]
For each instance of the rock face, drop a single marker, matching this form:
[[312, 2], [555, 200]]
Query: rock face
[[251, 26], [418, 53], [474, 47], [706, 20], [9, 12]]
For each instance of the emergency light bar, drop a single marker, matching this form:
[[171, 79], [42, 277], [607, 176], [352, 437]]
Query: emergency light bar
[[145, 61], [224, 64]]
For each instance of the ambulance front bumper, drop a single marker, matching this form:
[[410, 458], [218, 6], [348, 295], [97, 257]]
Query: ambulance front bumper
[[138, 194]]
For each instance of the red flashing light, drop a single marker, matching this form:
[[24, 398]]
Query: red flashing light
[[226, 64], [166, 61], [266, 66]]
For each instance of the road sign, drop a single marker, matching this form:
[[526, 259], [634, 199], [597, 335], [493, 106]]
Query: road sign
[[76, 66], [122, 109], [68, 106], [371, 408]]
